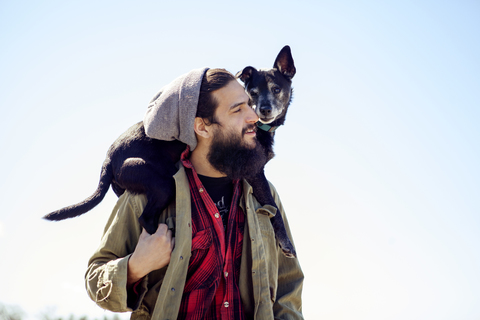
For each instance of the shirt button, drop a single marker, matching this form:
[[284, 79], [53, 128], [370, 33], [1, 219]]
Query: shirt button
[[217, 215], [226, 274], [201, 190], [226, 304]]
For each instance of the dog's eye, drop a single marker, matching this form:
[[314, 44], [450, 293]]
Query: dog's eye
[[276, 90], [253, 93]]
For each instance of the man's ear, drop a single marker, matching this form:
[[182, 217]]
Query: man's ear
[[201, 129]]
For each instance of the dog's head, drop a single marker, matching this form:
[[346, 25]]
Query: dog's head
[[270, 90]]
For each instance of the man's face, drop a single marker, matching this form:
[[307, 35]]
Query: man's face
[[234, 149], [234, 113]]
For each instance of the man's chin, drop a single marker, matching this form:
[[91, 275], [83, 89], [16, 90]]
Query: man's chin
[[251, 144]]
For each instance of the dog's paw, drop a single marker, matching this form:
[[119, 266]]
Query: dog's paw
[[288, 250]]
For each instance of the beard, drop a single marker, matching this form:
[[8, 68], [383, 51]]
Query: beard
[[232, 156]]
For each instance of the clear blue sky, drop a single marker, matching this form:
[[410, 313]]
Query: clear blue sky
[[377, 165]]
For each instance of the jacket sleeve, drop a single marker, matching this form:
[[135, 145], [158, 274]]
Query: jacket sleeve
[[288, 302], [106, 276]]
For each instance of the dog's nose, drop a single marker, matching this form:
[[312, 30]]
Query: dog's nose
[[266, 110]]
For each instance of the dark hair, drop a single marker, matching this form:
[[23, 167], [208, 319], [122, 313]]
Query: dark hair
[[213, 79]]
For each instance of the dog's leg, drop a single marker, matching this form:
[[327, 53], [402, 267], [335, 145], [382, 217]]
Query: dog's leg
[[159, 196], [261, 191], [140, 177]]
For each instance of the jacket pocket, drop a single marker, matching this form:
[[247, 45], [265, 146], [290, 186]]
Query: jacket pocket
[[202, 240]]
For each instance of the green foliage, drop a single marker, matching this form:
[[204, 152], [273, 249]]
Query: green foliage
[[11, 313], [16, 313]]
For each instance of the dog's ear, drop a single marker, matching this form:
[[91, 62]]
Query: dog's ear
[[284, 63], [245, 74]]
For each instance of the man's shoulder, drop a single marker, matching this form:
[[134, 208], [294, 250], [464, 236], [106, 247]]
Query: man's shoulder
[[136, 201], [248, 189]]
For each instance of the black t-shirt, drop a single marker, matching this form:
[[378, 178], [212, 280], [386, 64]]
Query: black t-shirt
[[221, 192]]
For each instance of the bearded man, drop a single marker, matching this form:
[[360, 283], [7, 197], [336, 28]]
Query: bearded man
[[214, 254]]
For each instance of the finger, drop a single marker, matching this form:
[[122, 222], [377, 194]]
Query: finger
[[143, 234], [169, 234], [162, 229]]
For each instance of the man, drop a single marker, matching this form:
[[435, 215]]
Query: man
[[214, 254]]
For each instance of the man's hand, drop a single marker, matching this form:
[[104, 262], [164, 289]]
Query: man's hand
[[151, 253]]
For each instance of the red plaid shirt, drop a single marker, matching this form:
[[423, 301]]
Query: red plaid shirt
[[211, 289]]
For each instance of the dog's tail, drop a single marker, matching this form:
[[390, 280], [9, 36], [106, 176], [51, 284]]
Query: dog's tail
[[88, 204]]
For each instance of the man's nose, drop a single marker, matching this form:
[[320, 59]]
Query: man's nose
[[251, 116]]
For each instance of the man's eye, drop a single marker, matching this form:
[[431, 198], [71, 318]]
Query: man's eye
[[238, 110]]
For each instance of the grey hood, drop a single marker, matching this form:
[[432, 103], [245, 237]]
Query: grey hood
[[171, 112]]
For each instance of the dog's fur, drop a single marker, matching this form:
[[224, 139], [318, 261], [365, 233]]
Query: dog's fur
[[140, 164]]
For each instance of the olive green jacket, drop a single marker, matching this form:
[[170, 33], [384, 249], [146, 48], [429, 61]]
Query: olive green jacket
[[270, 284]]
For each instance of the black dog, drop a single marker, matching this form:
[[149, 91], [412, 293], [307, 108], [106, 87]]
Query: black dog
[[140, 164], [270, 92]]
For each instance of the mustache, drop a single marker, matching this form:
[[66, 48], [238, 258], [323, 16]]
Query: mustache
[[249, 127]]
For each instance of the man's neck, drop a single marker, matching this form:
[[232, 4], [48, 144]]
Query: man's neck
[[198, 158]]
